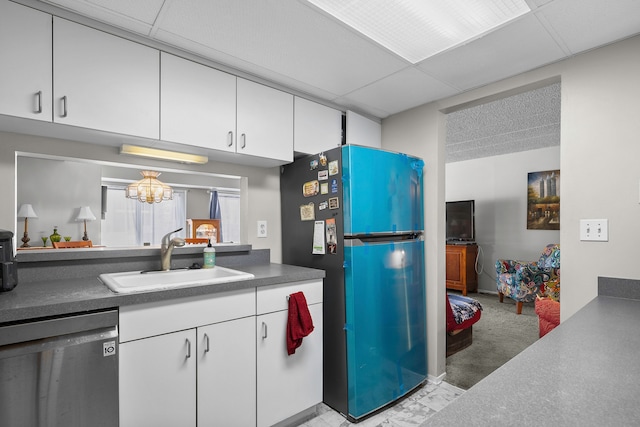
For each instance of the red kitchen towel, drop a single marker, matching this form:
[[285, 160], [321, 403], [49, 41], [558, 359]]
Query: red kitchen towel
[[299, 324]]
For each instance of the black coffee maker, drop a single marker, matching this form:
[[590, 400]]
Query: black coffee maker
[[8, 263]]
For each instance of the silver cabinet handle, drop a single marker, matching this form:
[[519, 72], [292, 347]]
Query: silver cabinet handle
[[264, 331], [244, 140], [230, 139], [64, 106], [188, 348], [206, 341], [39, 102]]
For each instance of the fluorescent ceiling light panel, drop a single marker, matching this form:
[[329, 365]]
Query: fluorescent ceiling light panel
[[154, 153], [418, 29]]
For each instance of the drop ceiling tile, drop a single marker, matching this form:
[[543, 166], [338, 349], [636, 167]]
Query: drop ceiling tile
[[401, 91], [533, 4], [510, 50], [361, 108], [284, 36], [585, 24]]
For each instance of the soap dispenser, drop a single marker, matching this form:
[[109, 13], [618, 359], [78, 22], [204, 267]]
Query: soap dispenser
[[209, 256]]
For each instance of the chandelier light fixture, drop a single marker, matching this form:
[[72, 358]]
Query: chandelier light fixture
[[149, 189]]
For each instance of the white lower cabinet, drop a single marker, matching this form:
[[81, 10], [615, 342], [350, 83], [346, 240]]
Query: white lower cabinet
[[198, 361], [287, 385], [157, 381], [227, 374], [199, 377]]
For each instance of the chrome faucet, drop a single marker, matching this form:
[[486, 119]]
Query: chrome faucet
[[166, 248]]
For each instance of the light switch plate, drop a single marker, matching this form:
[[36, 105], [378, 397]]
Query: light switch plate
[[594, 230], [262, 229]]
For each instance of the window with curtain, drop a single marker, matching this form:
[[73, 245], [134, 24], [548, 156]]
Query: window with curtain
[[128, 222], [229, 203]]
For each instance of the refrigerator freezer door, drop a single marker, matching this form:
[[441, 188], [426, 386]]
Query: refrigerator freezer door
[[385, 322], [382, 192]]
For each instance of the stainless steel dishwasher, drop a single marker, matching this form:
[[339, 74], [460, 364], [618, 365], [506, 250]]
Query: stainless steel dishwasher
[[60, 371]]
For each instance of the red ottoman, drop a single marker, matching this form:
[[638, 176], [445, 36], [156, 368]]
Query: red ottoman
[[548, 312], [459, 335]]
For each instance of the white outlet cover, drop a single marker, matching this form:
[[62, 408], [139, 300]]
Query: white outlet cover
[[262, 229]]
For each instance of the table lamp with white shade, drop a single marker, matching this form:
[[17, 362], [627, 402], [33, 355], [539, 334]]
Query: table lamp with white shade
[[26, 211], [85, 215]]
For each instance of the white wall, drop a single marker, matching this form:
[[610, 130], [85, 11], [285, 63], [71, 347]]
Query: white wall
[[598, 162], [600, 173], [57, 190], [261, 186], [499, 187], [421, 132]]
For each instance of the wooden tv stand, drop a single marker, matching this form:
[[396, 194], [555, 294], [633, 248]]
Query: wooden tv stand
[[461, 268]]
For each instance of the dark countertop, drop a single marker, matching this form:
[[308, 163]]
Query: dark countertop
[[72, 295], [584, 372]]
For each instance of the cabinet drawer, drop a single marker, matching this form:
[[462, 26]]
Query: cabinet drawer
[[274, 298], [155, 318]]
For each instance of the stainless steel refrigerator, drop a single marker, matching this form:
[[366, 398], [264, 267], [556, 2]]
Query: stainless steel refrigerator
[[357, 213]]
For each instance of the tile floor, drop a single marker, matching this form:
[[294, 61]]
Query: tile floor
[[410, 411]]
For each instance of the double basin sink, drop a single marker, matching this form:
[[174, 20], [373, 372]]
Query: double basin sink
[[140, 281]]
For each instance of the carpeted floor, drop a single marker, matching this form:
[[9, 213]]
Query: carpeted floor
[[499, 335]]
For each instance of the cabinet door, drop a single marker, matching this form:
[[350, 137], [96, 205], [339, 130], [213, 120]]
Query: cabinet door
[[286, 384], [198, 104], [158, 381], [363, 131], [25, 55], [227, 374], [265, 121], [104, 82], [455, 262], [316, 127]]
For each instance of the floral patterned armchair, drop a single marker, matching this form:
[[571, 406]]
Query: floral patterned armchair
[[522, 281]]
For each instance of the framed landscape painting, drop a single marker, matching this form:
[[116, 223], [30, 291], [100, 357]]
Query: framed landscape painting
[[543, 200]]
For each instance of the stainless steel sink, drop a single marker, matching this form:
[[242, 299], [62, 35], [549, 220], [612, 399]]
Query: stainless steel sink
[[139, 281]]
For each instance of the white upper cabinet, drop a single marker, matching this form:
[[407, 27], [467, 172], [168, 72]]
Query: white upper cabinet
[[198, 104], [25, 55], [264, 121], [316, 128], [363, 131], [104, 82]]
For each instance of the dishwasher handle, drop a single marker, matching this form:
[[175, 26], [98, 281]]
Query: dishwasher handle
[[39, 329], [109, 348]]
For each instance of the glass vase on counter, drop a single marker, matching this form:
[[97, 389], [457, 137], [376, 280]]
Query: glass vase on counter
[[55, 237]]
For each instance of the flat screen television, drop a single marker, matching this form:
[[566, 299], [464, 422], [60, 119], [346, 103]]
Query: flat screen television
[[460, 217]]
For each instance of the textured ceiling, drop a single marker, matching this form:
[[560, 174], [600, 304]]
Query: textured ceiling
[[521, 122], [295, 45]]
